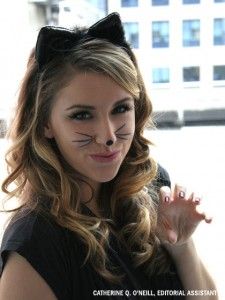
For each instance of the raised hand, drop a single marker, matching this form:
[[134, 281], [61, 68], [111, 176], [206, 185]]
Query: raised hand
[[178, 215]]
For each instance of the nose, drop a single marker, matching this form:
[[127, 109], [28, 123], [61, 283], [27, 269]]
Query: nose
[[106, 133]]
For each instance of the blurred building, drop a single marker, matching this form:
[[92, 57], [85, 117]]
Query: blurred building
[[81, 12], [180, 47], [68, 13], [179, 44], [44, 12], [19, 26]]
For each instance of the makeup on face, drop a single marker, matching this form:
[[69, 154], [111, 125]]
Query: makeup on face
[[105, 158], [83, 112], [93, 123], [87, 113], [88, 138]]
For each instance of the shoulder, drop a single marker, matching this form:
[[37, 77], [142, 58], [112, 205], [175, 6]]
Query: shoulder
[[39, 241], [162, 178], [20, 281], [30, 228]]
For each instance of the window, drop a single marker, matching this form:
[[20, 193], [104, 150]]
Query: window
[[218, 1], [129, 3], [191, 74], [160, 2], [219, 73], [191, 1], [160, 34], [132, 34], [160, 75], [100, 4], [219, 31], [191, 33], [67, 9]]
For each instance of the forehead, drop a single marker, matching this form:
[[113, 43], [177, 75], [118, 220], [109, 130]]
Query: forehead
[[92, 89]]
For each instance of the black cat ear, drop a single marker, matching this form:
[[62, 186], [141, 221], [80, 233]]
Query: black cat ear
[[54, 41], [57, 41], [109, 28]]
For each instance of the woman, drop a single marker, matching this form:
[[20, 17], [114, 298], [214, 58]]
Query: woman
[[87, 225]]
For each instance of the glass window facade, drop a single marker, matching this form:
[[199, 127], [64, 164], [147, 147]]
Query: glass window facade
[[132, 33], [160, 2], [129, 3], [100, 4], [160, 34], [191, 74], [219, 32], [191, 1], [160, 75], [219, 73], [191, 33]]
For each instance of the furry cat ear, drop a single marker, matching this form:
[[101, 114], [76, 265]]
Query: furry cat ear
[[57, 41], [54, 41], [109, 28]]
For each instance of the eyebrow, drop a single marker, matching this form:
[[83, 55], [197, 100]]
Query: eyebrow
[[93, 108]]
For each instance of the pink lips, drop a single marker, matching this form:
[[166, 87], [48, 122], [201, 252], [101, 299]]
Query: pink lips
[[107, 157]]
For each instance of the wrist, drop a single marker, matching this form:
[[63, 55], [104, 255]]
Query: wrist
[[178, 250]]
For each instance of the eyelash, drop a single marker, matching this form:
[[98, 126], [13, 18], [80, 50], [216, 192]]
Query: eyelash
[[126, 108]]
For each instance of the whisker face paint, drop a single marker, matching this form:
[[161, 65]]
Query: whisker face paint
[[121, 135], [108, 143], [86, 141]]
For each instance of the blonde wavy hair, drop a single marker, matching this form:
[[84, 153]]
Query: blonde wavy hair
[[41, 175]]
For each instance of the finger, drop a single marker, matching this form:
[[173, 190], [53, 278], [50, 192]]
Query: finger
[[165, 194], [208, 220], [203, 216], [179, 191], [195, 199]]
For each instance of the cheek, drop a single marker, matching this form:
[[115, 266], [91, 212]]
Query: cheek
[[66, 130], [131, 123], [129, 128]]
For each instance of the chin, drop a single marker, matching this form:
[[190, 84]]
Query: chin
[[106, 178]]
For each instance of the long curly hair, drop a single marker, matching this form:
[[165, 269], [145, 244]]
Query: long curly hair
[[40, 175]]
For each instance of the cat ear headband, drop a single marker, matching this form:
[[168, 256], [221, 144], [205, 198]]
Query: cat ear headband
[[57, 41]]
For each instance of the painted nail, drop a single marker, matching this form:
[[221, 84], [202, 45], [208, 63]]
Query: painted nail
[[181, 194], [167, 199], [197, 200]]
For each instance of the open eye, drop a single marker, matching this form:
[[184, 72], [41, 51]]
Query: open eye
[[122, 108], [82, 115]]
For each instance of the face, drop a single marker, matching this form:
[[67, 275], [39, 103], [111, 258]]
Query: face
[[87, 113]]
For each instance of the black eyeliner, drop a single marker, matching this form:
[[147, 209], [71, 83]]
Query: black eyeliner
[[75, 114]]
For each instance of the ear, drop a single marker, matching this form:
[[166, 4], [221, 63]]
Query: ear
[[109, 28], [48, 132]]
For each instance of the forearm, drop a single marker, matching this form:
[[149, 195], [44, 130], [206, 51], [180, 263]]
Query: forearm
[[191, 270]]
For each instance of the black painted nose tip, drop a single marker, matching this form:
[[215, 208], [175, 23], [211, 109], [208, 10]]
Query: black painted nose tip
[[109, 143]]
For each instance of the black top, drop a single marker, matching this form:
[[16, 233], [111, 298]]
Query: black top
[[57, 254]]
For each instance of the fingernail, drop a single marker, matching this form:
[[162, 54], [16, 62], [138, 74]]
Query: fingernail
[[181, 194], [167, 199], [208, 219], [197, 200]]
